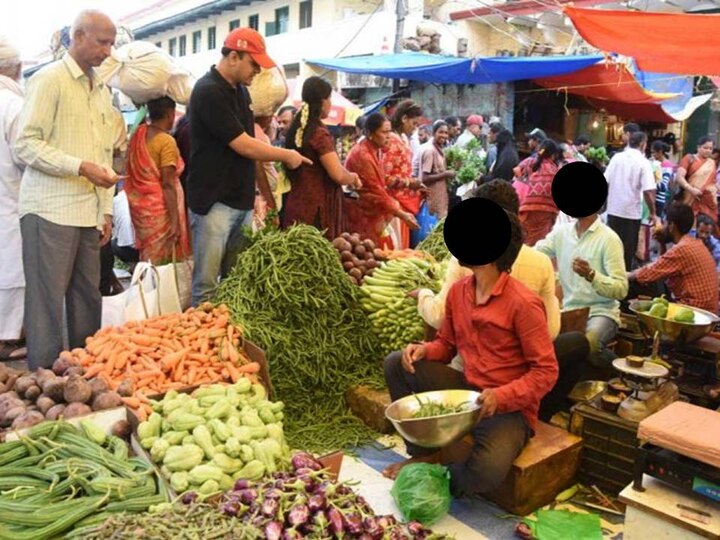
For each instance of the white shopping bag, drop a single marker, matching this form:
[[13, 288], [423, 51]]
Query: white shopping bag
[[140, 301], [175, 281]]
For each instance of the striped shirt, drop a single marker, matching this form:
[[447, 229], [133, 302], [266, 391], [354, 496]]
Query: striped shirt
[[63, 123]]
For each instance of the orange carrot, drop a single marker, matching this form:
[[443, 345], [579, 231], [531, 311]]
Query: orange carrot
[[233, 371], [252, 367], [93, 370], [132, 402]]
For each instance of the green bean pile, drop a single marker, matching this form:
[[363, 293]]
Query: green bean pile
[[181, 522], [434, 243], [292, 297]]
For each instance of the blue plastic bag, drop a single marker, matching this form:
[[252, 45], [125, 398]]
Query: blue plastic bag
[[427, 222]]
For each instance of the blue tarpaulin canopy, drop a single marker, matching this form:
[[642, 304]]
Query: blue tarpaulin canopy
[[454, 70]]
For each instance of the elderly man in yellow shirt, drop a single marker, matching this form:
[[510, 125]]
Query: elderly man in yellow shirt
[[535, 271], [66, 142]]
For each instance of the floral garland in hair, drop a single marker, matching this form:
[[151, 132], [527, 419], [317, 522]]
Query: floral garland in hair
[[304, 117]]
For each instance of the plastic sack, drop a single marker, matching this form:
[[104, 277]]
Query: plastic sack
[[565, 525], [144, 72], [427, 222], [268, 91], [422, 492]]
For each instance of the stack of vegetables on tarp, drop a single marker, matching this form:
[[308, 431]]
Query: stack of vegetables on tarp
[[57, 477], [169, 352], [393, 313], [303, 503], [206, 440], [290, 294]]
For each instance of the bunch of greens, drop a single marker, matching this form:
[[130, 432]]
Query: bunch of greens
[[292, 297], [430, 408], [466, 162], [598, 154]]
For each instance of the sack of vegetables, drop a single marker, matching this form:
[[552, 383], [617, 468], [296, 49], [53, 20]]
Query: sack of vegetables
[[422, 492]]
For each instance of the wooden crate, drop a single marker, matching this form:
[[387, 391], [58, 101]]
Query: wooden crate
[[545, 467]]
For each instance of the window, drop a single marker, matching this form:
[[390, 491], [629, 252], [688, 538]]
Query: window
[[197, 41], [182, 46], [254, 22], [158, 44], [280, 24], [211, 39], [172, 46], [234, 24], [306, 14]]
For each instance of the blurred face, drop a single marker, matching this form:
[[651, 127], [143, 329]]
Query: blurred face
[[533, 144], [325, 107], [475, 130], [454, 130], [284, 121], [380, 137], [492, 137], [93, 43], [243, 67], [423, 136], [658, 155], [567, 152], [409, 125], [582, 148], [705, 150], [704, 231], [441, 136]]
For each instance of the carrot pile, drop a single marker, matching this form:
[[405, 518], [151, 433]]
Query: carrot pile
[[167, 352]]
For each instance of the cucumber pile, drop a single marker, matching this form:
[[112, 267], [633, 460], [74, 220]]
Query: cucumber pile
[[394, 315]]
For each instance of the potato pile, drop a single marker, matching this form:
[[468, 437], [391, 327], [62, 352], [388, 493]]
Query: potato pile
[[28, 398], [359, 257]]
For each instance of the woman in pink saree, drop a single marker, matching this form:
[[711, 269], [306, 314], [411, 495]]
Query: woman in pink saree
[[153, 188]]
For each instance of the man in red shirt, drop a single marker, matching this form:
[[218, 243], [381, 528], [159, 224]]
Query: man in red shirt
[[499, 328], [688, 267]]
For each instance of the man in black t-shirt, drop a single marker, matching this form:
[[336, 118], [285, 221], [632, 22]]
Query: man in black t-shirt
[[221, 179]]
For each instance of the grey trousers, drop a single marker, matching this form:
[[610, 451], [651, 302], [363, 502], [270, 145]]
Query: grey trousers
[[498, 439], [62, 273]]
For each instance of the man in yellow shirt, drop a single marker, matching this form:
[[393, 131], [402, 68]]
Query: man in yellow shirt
[[66, 142], [534, 270]]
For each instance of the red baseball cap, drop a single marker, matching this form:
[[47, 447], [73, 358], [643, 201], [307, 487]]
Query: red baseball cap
[[474, 120], [249, 41]]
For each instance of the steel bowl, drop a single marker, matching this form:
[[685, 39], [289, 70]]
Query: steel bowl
[[679, 332], [435, 431]]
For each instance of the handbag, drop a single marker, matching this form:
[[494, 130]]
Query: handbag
[[175, 283], [140, 301]]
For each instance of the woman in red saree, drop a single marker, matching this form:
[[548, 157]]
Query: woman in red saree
[[154, 192], [696, 175], [316, 196], [370, 214], [398, 166], [538, 211]]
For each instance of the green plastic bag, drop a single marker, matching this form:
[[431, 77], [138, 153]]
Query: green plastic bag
[[422, 492], [565, 525]]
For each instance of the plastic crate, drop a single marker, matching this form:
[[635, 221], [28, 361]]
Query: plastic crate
[[609, 447]]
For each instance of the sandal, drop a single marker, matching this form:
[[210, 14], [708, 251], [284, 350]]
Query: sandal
[[12, 350]]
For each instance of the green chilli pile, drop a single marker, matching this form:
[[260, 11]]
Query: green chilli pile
[[290, 294], [393, 313], [434, 243]]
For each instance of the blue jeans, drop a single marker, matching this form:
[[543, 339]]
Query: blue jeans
[[599, 332], [217, 240]]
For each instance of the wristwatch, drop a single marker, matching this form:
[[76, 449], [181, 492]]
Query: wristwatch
[[591, 276]]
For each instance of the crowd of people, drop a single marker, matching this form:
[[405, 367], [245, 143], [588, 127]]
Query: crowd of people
[[173, 189]]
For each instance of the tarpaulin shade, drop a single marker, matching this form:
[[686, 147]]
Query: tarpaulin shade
[[651, 112], [678, 43], [609, 81], [343, 112], [453, 70]]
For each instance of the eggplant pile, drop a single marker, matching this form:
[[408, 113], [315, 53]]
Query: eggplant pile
[[307, 504]]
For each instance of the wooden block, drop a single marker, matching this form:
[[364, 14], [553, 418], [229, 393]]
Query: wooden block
[[545, 467], [369, 405]]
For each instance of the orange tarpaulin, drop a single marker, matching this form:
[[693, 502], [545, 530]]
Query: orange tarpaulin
[[661, 42], [607, 81]]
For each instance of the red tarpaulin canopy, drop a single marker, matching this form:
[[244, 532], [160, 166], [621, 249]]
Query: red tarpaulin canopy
[[661, 42], [606, 81]]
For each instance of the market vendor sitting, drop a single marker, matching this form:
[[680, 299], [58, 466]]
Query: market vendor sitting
[[510, 360], [687, 267]]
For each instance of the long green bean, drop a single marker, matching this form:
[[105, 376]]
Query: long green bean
[[434, 243], [292, 297]]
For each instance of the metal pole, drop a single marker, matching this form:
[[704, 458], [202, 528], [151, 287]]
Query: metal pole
[[400, 12]]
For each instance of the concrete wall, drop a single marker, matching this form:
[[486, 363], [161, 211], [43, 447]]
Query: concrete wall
[[439, 101]]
